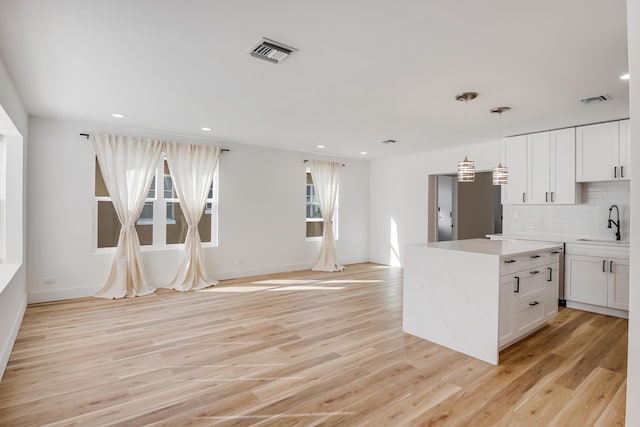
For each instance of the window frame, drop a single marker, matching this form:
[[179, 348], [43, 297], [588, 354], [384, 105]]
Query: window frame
[[159, 222]]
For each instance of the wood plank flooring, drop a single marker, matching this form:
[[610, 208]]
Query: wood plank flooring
[[299, 349]]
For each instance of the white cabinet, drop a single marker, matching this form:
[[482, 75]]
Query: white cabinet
[[514, 151], [551, 167], [541, 168], [597, 276], [528, 294], [602, 152]]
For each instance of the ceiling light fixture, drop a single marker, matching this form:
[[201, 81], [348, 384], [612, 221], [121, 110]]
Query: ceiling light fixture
[[320, 146], [624, 77], [466, 168], [364, 153], [206, 129], [118, 115], [500, 173]]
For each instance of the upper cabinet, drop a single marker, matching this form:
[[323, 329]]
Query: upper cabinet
[[541, 168], [602, 151], [514, 150]]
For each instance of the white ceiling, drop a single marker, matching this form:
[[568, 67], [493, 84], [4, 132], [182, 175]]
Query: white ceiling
[[366, 70]]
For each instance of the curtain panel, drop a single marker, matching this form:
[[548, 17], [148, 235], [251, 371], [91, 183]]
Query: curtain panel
[[192, 170], [128, 165], [326, 181]]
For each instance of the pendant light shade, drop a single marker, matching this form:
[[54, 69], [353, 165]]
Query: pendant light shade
[[500, 173], [466, 170]]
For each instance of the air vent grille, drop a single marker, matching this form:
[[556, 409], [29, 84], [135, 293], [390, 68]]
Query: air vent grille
[[271, 51], [595, 99]]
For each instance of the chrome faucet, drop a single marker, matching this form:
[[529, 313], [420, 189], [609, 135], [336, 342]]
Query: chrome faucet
[[616, 223]]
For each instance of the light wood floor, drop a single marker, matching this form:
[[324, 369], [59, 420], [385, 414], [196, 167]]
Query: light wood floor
[[301, 348]]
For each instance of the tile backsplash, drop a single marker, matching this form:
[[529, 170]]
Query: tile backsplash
[[588, 219]]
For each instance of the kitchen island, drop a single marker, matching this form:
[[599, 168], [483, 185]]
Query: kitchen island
[[479, 296]]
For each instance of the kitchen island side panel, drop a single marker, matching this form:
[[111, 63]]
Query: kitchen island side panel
[[451, 298]]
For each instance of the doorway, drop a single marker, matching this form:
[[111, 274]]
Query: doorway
[[466, 210]]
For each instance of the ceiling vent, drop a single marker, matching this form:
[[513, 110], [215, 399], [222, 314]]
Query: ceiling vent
[[596, 99], [271, 51]]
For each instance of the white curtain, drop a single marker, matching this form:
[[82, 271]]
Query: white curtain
[[326, 181], [192, 169], [128, 166]]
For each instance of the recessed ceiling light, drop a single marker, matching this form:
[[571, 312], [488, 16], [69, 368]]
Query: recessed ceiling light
[[206, 129], [364, 153], [118, 115], [320, 146], [624, 77]]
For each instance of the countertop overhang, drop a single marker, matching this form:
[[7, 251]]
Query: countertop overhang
[[501, 248]]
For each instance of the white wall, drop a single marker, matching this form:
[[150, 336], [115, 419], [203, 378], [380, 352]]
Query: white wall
[[399, 194], [587, 219], [261, 215], [633, 371], [13, 295]]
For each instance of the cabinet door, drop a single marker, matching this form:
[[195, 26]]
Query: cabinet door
[[618, 283], [586, 279], [597, 152], [625, 147], [538, 167], [551, 291], [528, 283], [505, 311], [514, 152], [563, 167]]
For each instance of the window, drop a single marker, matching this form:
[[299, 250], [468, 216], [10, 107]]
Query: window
[[314, 217], [161, 221]]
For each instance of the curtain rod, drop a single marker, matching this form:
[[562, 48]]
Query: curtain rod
[[224, 150], [307, 161]]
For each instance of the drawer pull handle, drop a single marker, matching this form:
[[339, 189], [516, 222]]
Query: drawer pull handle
[[534, 256], [552, 197], [550, 270], [611, 266], [534, 272], [517, 285], [546, 197], [621, 171], [523, 197], [534, 303], [615, 171], [604, 265], [555, 252], [509, 261]]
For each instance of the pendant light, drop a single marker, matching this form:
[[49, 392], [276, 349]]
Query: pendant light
[[500, 173], [466, 168]]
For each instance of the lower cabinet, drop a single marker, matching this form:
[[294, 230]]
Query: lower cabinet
[[598, 280], [528, 299]]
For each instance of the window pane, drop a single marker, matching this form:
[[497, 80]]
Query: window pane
[[169, 192], [177, 228], [109, 227], [313, 211], [314, 229], [101, 188], [309, 179]]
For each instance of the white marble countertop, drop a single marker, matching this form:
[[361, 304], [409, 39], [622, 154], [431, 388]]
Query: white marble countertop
[[560, 238], [493, 247]]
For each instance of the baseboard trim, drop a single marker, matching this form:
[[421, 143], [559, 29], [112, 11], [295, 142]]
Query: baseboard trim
[[598, 309], [8, 346], [62, 294], [73, 293]]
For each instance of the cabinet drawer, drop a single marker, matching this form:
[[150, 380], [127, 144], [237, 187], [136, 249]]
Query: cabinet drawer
[[601, 250], [529, 283], [529, 314], [528, 262]]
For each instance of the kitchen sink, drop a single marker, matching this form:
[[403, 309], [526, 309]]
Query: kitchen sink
[[602, 241]]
